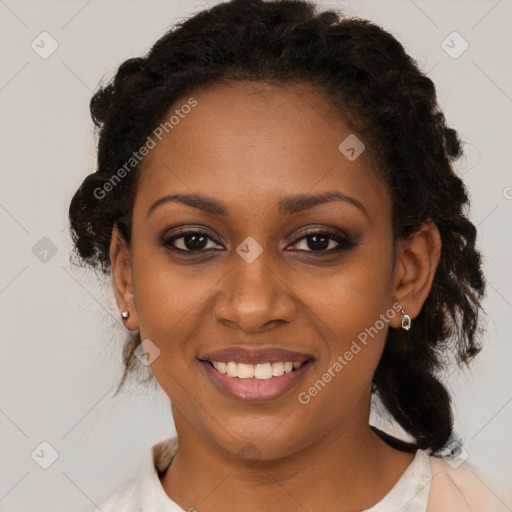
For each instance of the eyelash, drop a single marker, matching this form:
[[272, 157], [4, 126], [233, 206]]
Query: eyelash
[[344, 242]]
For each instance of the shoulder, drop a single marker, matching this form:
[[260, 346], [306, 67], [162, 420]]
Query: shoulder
[[458, 486], [144, 491]]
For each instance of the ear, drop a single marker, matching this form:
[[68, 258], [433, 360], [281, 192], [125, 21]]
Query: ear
[[415, 265], [120, 261]]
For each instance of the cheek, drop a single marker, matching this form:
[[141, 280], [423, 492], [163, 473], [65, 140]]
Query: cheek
[[356, 305], [168, 300], [352, 296], [358, 324]]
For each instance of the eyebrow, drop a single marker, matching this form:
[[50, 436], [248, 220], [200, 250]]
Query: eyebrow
[[287, 205]]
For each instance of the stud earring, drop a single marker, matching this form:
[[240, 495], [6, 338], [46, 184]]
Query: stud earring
[[125, 314], [406, 321]]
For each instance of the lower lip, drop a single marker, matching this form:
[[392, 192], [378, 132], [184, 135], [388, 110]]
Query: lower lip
[[256, 390]]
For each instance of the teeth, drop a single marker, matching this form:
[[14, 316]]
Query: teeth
[[222, 367], [261, 371], [231, 369], [277, 369], [245, 371]]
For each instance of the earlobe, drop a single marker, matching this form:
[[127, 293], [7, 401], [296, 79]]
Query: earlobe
[[415, 267], [120, 261]]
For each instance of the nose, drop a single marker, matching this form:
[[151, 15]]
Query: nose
[[254, 297]]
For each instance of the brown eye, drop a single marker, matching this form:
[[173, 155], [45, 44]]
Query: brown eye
[[324, 241], [189, 241]]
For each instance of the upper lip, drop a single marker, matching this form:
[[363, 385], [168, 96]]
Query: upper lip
[[255, 355]]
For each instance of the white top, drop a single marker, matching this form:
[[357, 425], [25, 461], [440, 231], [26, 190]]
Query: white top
[[429, 484]]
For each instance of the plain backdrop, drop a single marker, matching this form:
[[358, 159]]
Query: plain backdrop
[[60, 329]]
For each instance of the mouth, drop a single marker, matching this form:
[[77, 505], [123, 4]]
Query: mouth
[[255, 375]]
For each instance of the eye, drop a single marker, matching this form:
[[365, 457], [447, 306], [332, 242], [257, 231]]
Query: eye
[[319, 241], [324, 241], [189, 241]]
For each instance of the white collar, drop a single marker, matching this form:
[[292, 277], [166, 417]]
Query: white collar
[[410, 493], [152, 496]]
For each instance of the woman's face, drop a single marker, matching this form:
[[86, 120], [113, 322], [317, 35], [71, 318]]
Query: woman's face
[[255, 160]]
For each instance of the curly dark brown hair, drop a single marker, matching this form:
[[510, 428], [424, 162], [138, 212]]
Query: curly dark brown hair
[[384, 97]]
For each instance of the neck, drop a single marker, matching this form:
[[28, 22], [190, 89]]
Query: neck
[[346, 469]]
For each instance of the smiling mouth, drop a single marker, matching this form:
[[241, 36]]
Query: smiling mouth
[[259, 382]]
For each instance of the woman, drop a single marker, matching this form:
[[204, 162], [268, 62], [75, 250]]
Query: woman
[[276, 201]]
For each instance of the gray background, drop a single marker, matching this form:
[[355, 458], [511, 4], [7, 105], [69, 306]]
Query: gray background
[[60, 328]]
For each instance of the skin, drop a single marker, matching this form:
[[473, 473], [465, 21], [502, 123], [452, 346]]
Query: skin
[[248, 145]]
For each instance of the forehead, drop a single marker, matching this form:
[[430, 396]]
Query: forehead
[[252, 143]]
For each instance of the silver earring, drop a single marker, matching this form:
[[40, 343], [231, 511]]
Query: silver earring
[[406, 321], [125, 314]]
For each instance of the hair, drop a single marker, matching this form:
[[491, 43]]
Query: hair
[[383, 96]]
